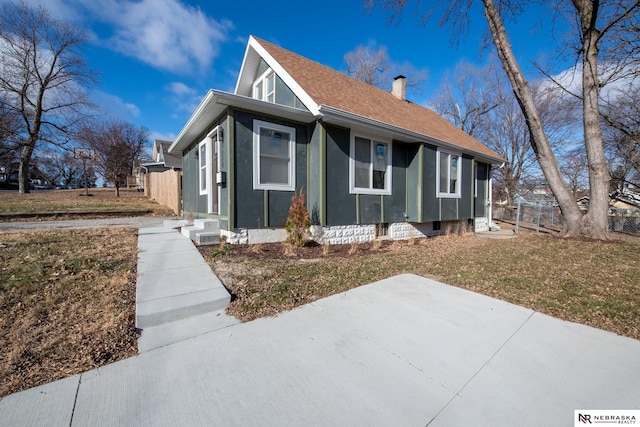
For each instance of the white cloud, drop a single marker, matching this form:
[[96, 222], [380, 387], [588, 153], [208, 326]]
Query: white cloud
[[179, 88], [166, 34], [115, 105], [183, 97]]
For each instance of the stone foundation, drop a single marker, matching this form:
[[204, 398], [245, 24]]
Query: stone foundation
[[345, 234]]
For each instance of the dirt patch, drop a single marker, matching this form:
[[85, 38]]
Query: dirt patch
[[67, 303]]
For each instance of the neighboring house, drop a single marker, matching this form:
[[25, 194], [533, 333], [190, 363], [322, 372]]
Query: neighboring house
[[370, 162], [163, 160], [625, 202]]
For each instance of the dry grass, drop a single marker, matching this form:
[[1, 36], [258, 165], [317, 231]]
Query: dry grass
[[101, 200], [588, 282], [67, 303]]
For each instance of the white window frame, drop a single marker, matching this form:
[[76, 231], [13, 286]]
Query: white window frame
[[204, 166], [261, 85], [447, 193], [386, 191], [257, 185]]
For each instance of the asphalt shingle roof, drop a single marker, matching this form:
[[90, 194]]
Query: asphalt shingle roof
[[337, 90]]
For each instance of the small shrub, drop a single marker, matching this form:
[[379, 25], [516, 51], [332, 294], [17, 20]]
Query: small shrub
[[298, 221]]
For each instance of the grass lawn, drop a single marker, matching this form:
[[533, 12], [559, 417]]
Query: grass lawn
[[100, 200], [67, 298], [67, 303], [597, 284]]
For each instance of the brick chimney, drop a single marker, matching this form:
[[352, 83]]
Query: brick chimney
[[399, 88]]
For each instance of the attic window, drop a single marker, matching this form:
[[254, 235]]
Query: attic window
[[264, 88]]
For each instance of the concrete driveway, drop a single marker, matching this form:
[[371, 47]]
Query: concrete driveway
[[405, 351]]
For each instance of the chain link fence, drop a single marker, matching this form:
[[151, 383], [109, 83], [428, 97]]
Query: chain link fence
[[546, 217]]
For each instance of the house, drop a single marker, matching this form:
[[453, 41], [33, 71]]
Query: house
[[370, 162], [162, 160]]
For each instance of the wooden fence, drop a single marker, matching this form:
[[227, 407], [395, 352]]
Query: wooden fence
[[165, 188]]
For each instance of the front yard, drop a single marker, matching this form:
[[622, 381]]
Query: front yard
[[594, 283], [67, 298]]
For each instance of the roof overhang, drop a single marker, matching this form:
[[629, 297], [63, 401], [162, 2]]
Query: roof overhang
[[216, 102], [346, 119]]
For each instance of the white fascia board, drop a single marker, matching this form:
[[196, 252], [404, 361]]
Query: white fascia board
[[306, 100], [347, 119], [215, 102], [180, 143], [247, 70]]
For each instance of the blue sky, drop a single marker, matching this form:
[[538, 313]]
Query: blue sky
[[156, 59]]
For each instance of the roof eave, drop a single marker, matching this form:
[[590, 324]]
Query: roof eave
[[347, 119], [215, 102]]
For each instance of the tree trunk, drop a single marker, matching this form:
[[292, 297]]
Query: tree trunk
[[542, 148], [23, 168], [596, 224]]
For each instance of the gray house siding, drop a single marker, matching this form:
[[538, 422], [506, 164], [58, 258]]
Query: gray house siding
[[395, 205], [465, 202], [430, 203], [341, 206], [414, 183], [322, 171], [193, 203], [263, 208]]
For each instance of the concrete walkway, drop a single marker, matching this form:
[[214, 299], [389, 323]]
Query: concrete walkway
[[405, 351], [177, 294]]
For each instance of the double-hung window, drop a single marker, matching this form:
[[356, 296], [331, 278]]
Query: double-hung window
[[273, 156], [449, 174], [370, 166]]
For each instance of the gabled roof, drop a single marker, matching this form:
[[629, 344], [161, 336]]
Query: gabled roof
[[170, 160], [336, 96]]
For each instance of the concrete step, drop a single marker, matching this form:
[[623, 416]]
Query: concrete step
[[169, 309], [180, 330], [201, 226]]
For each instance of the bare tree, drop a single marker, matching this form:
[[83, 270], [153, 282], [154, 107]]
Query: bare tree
[[575, 169], [596, 24], [368, 64], [621, 118], [117, 145], [373, 66], [42, 77], [470, 97], [9, 138]]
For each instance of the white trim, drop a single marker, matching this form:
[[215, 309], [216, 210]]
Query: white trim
[[251, 59], [257, 185], [352, 166], [449, 195], [204, 164]]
